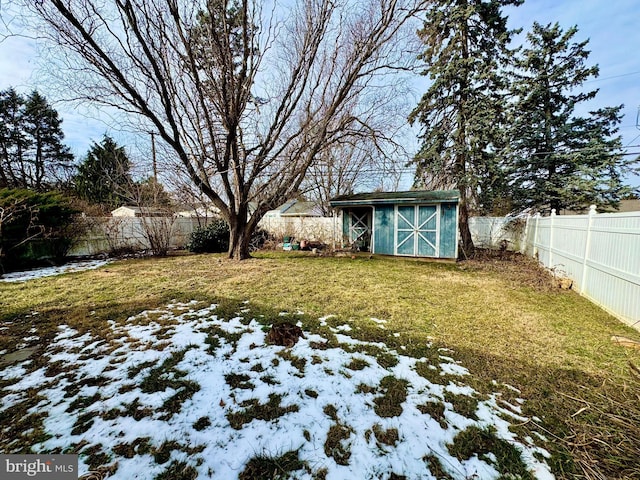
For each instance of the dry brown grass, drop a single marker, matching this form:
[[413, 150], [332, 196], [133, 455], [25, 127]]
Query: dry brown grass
[[503, 319]]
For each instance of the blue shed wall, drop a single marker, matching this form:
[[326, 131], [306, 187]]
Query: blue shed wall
[[383, 225], [448, 230], [393, 229]]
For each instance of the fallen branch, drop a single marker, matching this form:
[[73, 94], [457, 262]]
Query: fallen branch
[[625, 342]]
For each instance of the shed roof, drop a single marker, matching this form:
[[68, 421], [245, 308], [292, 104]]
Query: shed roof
[[408, 197]]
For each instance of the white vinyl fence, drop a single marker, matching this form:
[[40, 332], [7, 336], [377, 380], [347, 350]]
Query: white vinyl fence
[[493, 232], [110, 234], [600, 252], [327, 230]]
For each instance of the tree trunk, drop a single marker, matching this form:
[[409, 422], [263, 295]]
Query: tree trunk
[[239, 235], [239, 244], [460, 168], [467, 247]]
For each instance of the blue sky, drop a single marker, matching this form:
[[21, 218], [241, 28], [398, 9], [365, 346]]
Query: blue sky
[[611, 26], [612, 30]]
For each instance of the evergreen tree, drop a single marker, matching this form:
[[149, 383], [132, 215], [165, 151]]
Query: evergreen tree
[[150, 193], [49, 160], [32, 154], [462, 111], [561, 160], [13, 141], [33, 226], [103, 177]]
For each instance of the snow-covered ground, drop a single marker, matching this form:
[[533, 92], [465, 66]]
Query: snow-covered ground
[[51, 271], [182, 381]]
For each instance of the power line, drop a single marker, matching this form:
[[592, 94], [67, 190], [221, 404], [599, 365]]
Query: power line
[[612, 77], [634, 139]]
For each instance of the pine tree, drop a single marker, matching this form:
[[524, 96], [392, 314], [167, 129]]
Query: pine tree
[[103, 177], [462, 111], [561, 160], [49, 159], [13, 141], [32, 154]]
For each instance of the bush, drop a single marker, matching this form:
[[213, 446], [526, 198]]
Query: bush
[[34, 227], [213, 238]]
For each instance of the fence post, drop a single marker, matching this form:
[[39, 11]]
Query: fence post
[[525, 237], [551, 222], [587, 248], [534, 250], [333, 243]]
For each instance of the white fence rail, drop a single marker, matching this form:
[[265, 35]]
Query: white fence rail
[[600, 252], [492, 232], [327, 230], [113, 233]]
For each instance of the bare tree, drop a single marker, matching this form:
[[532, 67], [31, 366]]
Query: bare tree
[[247, 100], [157, 217], [344, 167]]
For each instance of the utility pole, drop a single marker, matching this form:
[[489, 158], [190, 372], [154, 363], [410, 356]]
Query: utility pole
[[153, 156]]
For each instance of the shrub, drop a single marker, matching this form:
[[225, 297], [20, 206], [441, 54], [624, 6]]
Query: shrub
[[157, 231], [34, 226], [213, 238]]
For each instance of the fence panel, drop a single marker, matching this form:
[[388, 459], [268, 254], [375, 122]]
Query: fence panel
[[612, 278], [542, 240], [566, 249], [317, 229], [489, 232], [599, 252], [113, 233]]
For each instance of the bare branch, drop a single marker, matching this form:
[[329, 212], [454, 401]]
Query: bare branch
[[249, 103]]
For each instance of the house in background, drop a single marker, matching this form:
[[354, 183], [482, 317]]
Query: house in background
[[130, 211], [628, 206], [295, 208], [415, 223], [197, 211], [127, 211]]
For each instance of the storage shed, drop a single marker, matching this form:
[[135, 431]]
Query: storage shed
[[417, 223]]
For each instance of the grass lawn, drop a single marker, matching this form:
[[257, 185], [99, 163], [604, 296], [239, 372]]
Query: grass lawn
[[162, 368]]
